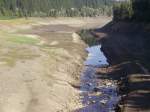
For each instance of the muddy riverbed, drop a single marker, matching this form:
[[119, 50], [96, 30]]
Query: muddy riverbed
[[97, 95]]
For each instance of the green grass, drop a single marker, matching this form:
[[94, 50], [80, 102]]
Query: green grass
[[14, 54], [22, 39], [11, 48], [87, 37], [7, 17]]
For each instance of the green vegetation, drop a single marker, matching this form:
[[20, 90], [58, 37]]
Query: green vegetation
[[23, 39], [132, 10], [28, 8], [122, 11], [15, 54], [11, 51], [87, 37]]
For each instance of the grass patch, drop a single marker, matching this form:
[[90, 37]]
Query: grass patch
[[11, 49], [14, 54], [17, 38], [16, 21], [23, 39], [7, 17], [87, 37]]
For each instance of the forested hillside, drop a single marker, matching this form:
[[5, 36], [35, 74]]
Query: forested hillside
[[133, 10], [55, 7]]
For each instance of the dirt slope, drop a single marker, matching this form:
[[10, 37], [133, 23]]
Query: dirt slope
[[126, 47]]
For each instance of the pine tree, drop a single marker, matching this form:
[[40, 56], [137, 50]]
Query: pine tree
[[52, 7]]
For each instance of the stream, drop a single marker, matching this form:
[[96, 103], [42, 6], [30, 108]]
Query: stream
[[97, 95]]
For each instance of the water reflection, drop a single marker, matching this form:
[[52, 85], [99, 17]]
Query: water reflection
[[96, 96], [95, 56]]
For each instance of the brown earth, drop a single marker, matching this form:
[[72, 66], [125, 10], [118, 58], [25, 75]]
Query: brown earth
[[126, 47], [40, 61]]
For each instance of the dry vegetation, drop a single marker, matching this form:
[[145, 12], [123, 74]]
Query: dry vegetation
[[39, 65]]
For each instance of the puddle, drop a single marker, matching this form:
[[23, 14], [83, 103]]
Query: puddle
[[97, 95]]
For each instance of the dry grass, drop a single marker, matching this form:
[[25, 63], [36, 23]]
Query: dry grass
[[38, 66]]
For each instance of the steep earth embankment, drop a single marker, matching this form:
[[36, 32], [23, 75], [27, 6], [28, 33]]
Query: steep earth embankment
[[127, 49]]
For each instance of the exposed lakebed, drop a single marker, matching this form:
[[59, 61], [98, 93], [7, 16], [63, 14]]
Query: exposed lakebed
[[97, 95]]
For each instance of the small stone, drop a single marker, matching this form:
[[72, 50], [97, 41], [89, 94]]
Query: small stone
[[108, 84], [96, 94], [118, 108], [93, 101], [103, 102], [88, 102], [89, 84]]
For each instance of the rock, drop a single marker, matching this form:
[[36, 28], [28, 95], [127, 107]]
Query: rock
[[89, 84], [96, 94], [96, 89], [93, 101], [88, 102], [103, 102], [118, 108], [108, 84]]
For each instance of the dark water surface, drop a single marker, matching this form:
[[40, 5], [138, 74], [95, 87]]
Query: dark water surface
[[96, 96]]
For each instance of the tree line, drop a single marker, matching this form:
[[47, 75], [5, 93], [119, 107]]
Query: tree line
[[55, 8], [132, 10]]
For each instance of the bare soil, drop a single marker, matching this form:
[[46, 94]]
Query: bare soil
[[40, 61]]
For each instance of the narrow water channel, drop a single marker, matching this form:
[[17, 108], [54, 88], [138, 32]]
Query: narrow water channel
[[96, 96]]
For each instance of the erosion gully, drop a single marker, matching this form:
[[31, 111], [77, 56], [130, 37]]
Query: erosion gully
[[97, 95]]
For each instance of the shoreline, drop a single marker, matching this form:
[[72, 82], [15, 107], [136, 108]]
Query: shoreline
[[125, 50]]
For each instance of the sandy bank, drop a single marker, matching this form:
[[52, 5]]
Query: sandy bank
[[39, 63]]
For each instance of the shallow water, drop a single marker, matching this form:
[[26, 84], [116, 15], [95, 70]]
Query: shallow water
[[95, 56], [96, 94]]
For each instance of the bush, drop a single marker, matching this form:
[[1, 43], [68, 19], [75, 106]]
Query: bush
[[122, 11]]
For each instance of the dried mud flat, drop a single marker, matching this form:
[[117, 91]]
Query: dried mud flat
[[40, 60]]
